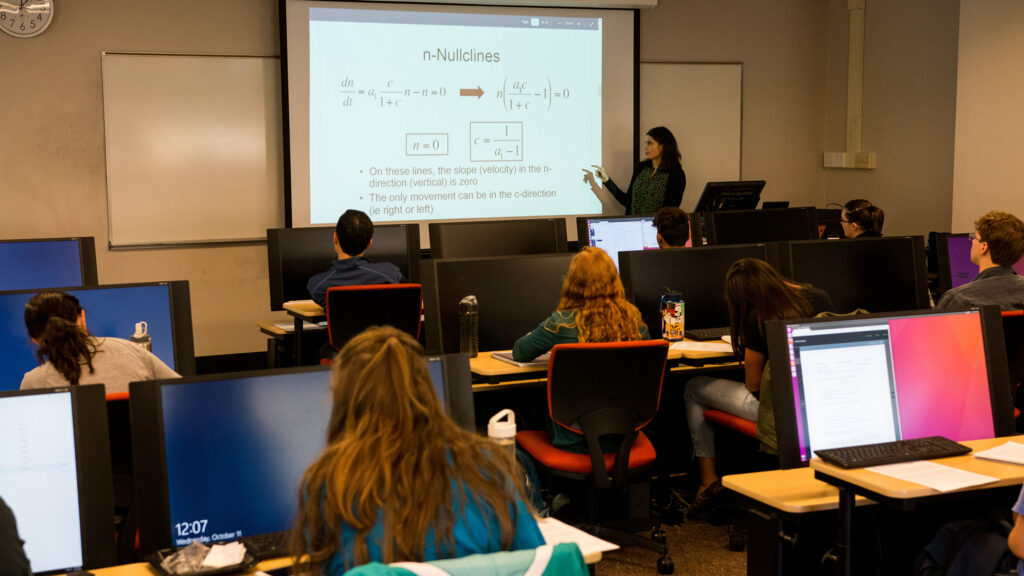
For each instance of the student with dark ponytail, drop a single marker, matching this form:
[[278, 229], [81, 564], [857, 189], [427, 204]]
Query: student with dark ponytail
[[862, 219], [69, 355]]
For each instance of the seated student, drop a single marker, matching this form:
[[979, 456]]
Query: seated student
[[352, 236], [12, 552], [755, 293], [593, 308], [997, 245], [862, 219], [673, 227], [68, 355], [399, 480]]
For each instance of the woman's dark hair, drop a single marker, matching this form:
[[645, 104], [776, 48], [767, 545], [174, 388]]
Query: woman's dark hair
[[52, 321], [752, 284], [670, 156], [866, 215]]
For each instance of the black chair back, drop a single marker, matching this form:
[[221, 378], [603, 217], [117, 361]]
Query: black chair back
[[352, 309]]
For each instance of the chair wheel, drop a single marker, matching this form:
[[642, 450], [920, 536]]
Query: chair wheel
[[666, 565], [658, 535]]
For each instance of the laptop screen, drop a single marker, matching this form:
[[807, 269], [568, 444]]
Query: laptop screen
[[858, 381], [616, 235]]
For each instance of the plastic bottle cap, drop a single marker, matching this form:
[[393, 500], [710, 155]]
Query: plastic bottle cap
[[498, 428]]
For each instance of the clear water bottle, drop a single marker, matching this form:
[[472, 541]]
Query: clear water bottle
[[141, 336], [502, 429], [673, 315], [469, 310]]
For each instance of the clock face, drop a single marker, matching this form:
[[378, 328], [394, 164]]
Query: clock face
[[25, 18]]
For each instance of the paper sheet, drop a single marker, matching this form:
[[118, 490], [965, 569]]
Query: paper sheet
[[221, 555], [1012, 452], [936, 476], [557, 532], [713, 346]]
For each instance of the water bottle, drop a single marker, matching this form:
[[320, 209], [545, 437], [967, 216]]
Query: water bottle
[[468, 339], [141, 336], [673, 315], [502, 429]]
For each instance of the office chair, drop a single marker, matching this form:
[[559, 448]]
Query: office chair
[[352, 309], [606, 392]]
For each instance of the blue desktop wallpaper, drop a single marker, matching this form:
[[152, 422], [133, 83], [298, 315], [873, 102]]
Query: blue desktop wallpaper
[[108, 312], [236, 451], [39, 264]]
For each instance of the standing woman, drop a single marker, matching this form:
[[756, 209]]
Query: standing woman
[[862, 219], [755, 293], [658, 181], [68, 355], [399, 480]]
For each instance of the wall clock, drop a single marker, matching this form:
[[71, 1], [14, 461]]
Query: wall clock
[[25, 18]]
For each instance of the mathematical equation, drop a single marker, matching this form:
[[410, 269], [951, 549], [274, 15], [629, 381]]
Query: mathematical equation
[[426, 144], [519, 94], [388, 95], [495, 141]]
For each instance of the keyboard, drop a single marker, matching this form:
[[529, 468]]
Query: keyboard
[[893, 452], [264, 546], [706, 333]]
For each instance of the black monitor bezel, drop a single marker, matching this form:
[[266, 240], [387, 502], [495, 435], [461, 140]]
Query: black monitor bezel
[[181, 316], [716, 233], [86, 256], [1000, 390], [711, 198], [441, 322], [635, 269], [942, 256], [493, 237], [288, 281], [150, 457], [93, 470]]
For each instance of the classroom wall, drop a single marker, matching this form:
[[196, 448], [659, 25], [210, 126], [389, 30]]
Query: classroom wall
[[793, 53]]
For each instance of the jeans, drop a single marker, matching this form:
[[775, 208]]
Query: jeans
[[702, 393]]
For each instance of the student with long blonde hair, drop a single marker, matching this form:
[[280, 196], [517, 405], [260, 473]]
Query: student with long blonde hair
[[593, 308], [399, 480]]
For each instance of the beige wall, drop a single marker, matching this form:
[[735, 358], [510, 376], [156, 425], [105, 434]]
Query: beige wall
[[794, 58]]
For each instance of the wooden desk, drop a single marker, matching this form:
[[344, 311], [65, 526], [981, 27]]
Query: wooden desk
[[144, 569], [303, 311], [904, 495]]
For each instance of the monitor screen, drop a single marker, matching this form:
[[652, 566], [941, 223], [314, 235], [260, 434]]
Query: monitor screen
[[747, 226], [55, 476], [295, 255], [109, 311], [218, 458], [453, 383], [614, 235], [514, 293], [875, 274], [497, 238], [955, 266], [697, 273], [28, 264], [877, 378], [740, 195]]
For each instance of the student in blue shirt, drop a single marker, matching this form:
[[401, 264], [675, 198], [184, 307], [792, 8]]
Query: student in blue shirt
[[399, 480], [353, 235]]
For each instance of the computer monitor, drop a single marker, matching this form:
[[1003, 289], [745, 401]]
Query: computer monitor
[[110, 310], [294, 255], [830, 223], [46, 263], [55, 476], [875, 274], [497, 238], [453, 383], [856, 380], [615, 234], [514, 293], [749, 226], [697, 273], [954, 261], [739, 195]]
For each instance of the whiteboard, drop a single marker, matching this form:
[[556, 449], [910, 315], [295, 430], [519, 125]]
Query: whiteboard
[[702, 104], [193, 148]]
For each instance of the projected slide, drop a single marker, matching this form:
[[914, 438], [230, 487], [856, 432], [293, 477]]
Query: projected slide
[[421, 116]]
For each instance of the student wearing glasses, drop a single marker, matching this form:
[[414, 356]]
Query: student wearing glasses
[[862, 219], [997, 244]]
